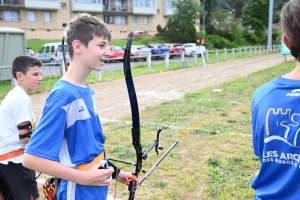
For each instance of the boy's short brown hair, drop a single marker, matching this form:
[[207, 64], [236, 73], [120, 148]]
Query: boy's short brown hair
[[84, 27], [22, 64]]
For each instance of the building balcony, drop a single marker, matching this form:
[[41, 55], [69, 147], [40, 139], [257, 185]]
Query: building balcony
[[42, 4], [87, 5], [116, 6], [168, 8], [11, 3], [146, 7]]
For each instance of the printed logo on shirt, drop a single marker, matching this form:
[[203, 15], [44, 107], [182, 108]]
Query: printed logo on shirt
[[81, 109], [282, 126], [294, 93]]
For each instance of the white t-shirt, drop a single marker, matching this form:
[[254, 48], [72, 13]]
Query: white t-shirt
[[15, 108]]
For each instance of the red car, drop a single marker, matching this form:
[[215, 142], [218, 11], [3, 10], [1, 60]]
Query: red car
[[139, 34], [117, 53], [175, 48]]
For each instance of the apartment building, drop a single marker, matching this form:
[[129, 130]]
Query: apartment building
[[47, 19]]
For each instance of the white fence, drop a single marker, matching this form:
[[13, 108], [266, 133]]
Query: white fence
[[58, 69]]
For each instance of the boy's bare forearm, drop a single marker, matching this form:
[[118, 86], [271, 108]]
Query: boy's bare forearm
[[52, 168]]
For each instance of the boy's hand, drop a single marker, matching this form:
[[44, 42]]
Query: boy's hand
[[99, 177], [126, 178]]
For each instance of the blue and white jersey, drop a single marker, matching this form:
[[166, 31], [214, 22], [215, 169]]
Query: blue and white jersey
[[276, 139], [70, 133]]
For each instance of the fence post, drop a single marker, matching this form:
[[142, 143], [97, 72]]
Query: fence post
[[98, 75], [62, 68], [149, 61], [14, 82], [245, 51], [254, 50], [232, 53], [183, 63], [216, 55], [206, 56], [195, 58], [240, 52], [225, 54], [167, 54]]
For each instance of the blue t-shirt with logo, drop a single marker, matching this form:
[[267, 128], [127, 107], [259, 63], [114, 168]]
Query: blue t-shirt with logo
[[70, 133], [276, 139]]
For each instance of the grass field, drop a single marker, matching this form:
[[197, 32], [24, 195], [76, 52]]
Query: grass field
[[214, 159]]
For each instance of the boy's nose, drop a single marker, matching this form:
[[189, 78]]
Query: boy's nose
[[108, 52]]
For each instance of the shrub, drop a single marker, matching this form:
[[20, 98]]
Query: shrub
[[219, 42]]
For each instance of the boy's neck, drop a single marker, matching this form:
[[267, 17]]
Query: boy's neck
[[75, 76], [28, 91]]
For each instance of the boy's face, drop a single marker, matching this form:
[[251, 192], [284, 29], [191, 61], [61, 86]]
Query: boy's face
[[31, 80], [96, 53]]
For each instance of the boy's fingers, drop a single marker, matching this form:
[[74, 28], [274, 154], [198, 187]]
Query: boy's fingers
[[100, 164]]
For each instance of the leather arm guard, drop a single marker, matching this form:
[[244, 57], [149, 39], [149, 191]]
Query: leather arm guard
[[25, 135], [26, 126]]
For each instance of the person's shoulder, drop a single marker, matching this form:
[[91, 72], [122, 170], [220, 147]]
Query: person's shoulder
[[62, 93], [17, 94]]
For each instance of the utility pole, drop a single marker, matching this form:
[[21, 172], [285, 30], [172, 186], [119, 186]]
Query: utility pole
[[270, 25], [203, 19]]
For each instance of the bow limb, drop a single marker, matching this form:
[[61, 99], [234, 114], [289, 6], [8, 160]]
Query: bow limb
[[64, 53], [136, 139]]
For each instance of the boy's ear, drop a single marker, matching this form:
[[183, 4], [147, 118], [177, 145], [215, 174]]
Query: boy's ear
[[286, 42], [19, 75], [76, 44]]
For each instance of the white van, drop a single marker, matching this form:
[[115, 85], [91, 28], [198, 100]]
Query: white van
[[190, 48], [52, 52]]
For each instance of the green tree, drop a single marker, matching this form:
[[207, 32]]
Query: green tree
[[238, 7], [161, 31], [181, 25], [255, 15]]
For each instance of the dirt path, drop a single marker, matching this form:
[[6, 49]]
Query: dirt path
[[112, 98]]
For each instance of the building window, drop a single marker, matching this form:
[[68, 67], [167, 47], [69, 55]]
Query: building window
[[88, 1], [143, 3], [120, 20], [146, 20], [64, 25], [47, 16], [31, 16], [135, 20], [114, 19], [63, 6], [107, 19], [170, 3], [9, 15]]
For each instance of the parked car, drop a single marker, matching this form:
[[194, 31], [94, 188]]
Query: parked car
[[30, 52], [117, 53], [158, 49], [137, 50], [190, 48], [175, 48], [52, 52], [139, 34]]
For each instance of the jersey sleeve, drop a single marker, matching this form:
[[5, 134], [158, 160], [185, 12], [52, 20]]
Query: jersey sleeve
[[47, 138], [22, 110]]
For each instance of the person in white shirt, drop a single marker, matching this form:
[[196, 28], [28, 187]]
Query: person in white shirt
[[17, 122]]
